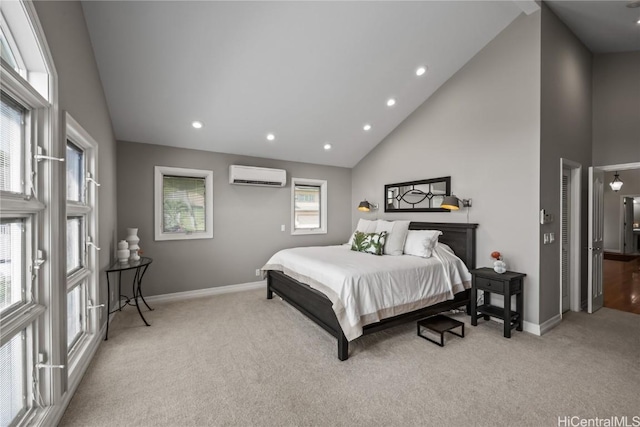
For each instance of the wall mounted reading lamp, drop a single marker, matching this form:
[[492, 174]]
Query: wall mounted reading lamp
[[453, 203], [365, 206]]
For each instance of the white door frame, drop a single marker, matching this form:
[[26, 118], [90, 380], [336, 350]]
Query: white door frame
[[609, 168], [575, 209]]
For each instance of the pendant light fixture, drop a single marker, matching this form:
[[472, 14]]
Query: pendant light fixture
[[616, 184]]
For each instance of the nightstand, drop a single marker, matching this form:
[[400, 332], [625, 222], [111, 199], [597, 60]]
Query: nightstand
[[507, 284]]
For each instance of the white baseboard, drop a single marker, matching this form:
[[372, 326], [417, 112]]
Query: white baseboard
[[542, 328], [219, 290]]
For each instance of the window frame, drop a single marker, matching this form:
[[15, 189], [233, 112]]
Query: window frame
[[323, 206], [39, 318], [87, 275], [159, 173]]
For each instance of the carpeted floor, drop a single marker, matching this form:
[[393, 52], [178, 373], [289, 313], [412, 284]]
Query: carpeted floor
[[240, 359]]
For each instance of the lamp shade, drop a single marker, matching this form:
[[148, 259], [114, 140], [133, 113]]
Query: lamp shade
[[616, 184], [450, 202], [364, 206]]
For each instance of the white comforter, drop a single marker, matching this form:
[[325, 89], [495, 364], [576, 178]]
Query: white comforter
[[365, 288]]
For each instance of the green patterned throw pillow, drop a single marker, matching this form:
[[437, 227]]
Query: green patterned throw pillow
[[372, 243]]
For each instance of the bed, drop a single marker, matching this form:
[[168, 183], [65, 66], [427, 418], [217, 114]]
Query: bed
[[319, 308]]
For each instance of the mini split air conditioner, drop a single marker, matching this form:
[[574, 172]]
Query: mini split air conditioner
[[250, 175]]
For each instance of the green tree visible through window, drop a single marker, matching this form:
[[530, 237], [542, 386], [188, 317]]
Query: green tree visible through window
[[183, 204]]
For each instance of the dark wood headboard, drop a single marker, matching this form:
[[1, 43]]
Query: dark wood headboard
[[461, 237]]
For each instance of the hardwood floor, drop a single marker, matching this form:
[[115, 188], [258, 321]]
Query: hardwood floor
[[622, 285]]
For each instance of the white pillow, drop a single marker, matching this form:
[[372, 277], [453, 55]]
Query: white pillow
[[396, 235], [421, 242], [364, 226]]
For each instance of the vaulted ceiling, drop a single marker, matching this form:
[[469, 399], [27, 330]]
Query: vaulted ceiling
[[308, 73]]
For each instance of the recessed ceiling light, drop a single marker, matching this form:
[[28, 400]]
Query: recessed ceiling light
[[271, 137], [420, 71], [391, 102], [196, 124], [367, 127], [327, 146], [638, 22]]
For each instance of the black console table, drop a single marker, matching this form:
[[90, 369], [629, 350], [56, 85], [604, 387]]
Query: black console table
[[508, 283], [140, 268]]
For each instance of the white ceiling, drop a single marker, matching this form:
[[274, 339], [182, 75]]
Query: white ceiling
[[603, 26], [310, 72]]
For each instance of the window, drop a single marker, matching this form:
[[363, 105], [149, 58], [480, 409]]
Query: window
[[11, 145], [12, 380], [20, 212], [308, 206], [82, 278], [29, 308], [12, 269], [8, 49], [183, 203]]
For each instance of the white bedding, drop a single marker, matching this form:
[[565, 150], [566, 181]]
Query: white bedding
[[365, 288]]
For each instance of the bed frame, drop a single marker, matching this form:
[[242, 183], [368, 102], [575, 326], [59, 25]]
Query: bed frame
[[317, 307]]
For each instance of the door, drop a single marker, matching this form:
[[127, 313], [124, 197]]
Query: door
[[596, 240], [627, 225], [565, 246]]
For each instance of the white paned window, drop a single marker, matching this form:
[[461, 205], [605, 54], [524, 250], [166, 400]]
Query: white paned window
[[183, 203], [30, 277], [75, 315], [12, 118], [21, 216], [308, 206], [12, 268], [82, 270], [12, 379], [75, 244], [9, 50], [75, 173]]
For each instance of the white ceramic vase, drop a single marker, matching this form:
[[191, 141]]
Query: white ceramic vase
[[123, 251], [133, 240], [499, 266]]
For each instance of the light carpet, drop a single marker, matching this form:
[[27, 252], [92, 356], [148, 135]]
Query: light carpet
[[240, 359]]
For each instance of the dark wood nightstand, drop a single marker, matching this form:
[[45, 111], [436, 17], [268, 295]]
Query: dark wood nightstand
[[508, 283]]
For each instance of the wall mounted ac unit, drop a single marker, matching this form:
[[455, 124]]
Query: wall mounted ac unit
[[250, 175]]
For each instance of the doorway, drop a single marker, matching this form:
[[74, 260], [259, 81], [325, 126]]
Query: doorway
[[620, 274]]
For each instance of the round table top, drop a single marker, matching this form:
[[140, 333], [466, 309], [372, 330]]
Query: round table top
[[121, 266]]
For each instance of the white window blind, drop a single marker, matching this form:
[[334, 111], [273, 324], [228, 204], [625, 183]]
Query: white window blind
[[183, 204], [12, 379], [11, 145], [12, 268]]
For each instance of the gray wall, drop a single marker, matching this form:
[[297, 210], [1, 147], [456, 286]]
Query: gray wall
[[613, 210], [482, 128], [80, 93], [246, 219], [616, 108], [565, 132]]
